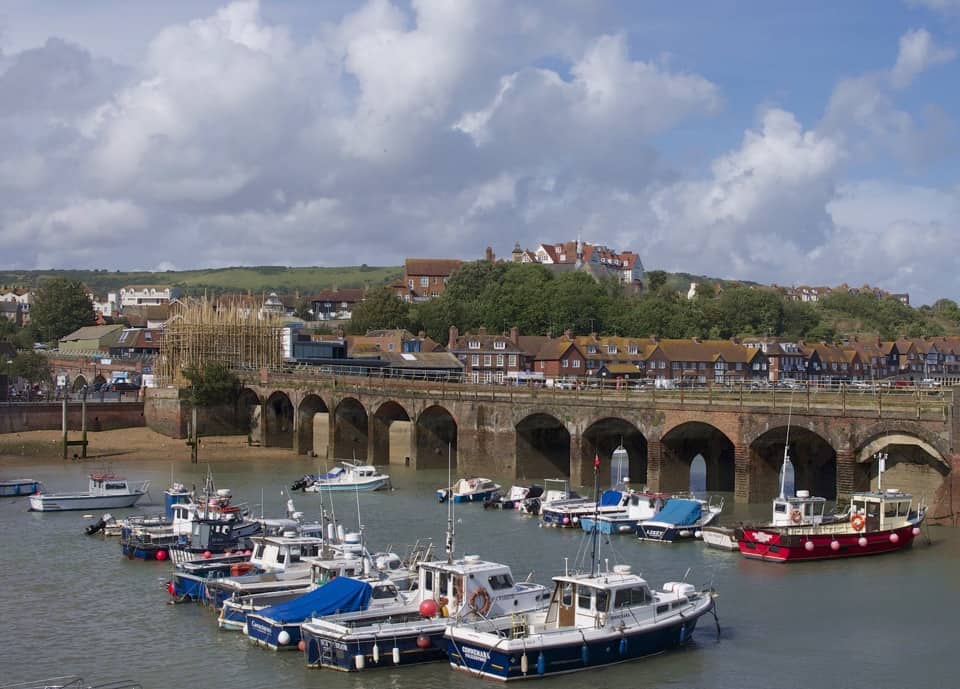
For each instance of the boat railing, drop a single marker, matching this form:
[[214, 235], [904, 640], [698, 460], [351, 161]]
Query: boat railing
[[65, 682]]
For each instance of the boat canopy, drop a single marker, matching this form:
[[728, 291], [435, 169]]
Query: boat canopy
[[342, 594], [610, 497], [680, 511]]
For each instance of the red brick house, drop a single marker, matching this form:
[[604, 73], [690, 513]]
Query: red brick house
[[425, 278]]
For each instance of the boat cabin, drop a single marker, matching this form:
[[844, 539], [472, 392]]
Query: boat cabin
[[556, 489], [274, 553], [881, 511], [465, 585], [108, 484], [801, 508], [612, 598]]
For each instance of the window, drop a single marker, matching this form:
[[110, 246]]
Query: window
[[603, 601], [611, 349], [575, 363], [380, 592], [632, 349], [499, 344], [638, 595], [389, 346], [564, 363], [410, 283], [584, 596], [498, 582], [487, 359], [662, 364], [591, 349], [513, 360], [424, 282], [566, 595], [500, 360], [474, 344], [475, 360]]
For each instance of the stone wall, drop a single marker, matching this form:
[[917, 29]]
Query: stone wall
[[166, 413], [101, 416]]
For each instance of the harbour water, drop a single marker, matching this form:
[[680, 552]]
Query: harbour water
[[69, 603]]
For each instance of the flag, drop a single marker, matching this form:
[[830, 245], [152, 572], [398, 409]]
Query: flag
[[596, 462]]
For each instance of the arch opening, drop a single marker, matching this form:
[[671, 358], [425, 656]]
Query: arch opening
[[350, 431], [682, 444], [435, 434], [912, 465], [313, 426], [542, 447], [603, 436], [79, 383], [278, 426], [391, 434], [814, 463]]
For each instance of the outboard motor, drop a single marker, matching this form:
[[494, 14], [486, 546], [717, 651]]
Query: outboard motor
[[301, 483], [99, 525]]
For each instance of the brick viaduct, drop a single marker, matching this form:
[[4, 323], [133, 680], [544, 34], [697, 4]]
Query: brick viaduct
[[521, 433]]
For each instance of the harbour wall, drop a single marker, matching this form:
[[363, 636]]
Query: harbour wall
[[101, 416]]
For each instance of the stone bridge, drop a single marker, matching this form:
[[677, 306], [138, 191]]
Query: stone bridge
[[535, 433]]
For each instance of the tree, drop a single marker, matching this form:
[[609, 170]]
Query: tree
[[655, 280], [381, 308], [32, 366], [212, 385], [61, 306]]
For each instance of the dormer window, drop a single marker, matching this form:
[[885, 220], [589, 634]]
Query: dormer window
[[633, 349], [474, 344], [591, 349], [611, 349], [499, 344]]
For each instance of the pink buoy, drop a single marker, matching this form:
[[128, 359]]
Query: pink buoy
[[171, 589], [566, 520], [428, 608], [894, 538], [248, 552], [808, 545], [916, 531], [301, 646], [207, 554], [161, 555], [834, 546], [423, 641], [862, 542]]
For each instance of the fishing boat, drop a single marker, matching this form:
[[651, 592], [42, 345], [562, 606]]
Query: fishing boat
[[469, 490], [566, 514], [555, 491], [680, 519], [880, 521], [637, 507], [106, 492], [11, 488], [514, 498], [594, 619], [345, 476]]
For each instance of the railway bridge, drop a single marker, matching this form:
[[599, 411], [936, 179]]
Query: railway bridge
[[513, 432]]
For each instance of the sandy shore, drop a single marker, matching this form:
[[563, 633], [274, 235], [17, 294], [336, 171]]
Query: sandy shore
[[131, 443]]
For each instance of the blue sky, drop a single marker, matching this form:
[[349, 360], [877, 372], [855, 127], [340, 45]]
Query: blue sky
[[789, 143]]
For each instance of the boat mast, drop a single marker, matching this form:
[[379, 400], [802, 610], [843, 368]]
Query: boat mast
[[449, 544], [786, 451], [594, 564]]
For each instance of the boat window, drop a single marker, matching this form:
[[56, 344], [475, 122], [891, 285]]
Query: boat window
[[498, 582], [663, 608], [780, 508], [260, 549], [859, 506], [890, 509], [603, 601], [281, 558], [584, 595], [428, 580], [567, 595], [808, 509], [638, 595], [904, 509], [115, 486], [443, 583], [384, 592]]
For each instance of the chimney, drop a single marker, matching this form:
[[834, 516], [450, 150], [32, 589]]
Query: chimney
[[488, 254], [654, 339], [482, 331], [421, 334], [515, 335], [568, 334], [696, 340], [452, 339], [735, 340]]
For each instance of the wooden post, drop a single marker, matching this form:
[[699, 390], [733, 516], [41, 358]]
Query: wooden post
[[83, 424], [195, 435], [65, 426]]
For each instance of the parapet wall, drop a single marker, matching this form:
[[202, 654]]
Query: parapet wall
[[101, 416]]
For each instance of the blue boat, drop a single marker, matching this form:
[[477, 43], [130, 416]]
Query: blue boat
[[638, 506], [19, 486], [680, 519], [469, 490], [568, 513]]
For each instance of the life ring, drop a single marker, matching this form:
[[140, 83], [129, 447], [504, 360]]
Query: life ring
[[796, 516], [480, 602], [858, 521]]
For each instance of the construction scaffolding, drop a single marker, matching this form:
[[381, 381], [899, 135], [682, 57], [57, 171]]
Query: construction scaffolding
[[206, 332]]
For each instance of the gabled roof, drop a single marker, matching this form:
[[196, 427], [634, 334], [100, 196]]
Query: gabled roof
[[554, 350], [351, 295], [92, 332], [423, 360]]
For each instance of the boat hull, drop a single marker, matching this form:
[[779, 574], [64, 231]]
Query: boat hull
[[776, 546], [378, 484], [422, 644], [666, 534], [545, 657], [62, 503], [610, 526], [720, 537], [268, 633], [17, 487]]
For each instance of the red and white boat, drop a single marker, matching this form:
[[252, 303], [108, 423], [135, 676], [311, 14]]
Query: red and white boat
[[879, 522]]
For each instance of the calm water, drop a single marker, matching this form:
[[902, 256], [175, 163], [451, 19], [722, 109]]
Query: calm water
[[69, 604]]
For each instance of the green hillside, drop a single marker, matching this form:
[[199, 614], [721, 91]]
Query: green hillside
[[254, 279]]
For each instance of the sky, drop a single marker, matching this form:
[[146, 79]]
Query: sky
[[809, 143]]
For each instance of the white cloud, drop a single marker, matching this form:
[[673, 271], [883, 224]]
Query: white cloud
[[917, 53]]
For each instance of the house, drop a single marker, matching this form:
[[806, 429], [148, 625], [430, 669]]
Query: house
[[12, 311], [139, 295], [486, 358], [705, 361], [425, 278], [335, 303], [22, 298], [147, 316], [397, 340], [92, 338], [560, 359], [273, 307], [137, 342], [596, 259], [431, 365]]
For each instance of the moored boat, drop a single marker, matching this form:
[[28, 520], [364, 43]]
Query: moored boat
[[106, 492], [345, 476], [13, 487], [469, 490], [680, 519], [635, 508]]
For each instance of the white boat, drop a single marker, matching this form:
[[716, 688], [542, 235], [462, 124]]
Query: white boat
[[346, 476], [469, 490], [106, 492], [19, 486]]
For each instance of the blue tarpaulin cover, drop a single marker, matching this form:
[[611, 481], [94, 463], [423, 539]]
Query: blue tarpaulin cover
[[679, 512], [610, 497], [342, 594]]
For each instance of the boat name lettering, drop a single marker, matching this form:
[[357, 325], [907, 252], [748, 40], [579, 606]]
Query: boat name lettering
[[761, 537], [475, 654], [327, 643], [260, 627]]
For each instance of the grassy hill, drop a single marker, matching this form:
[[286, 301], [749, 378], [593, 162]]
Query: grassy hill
[[254, 279]]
